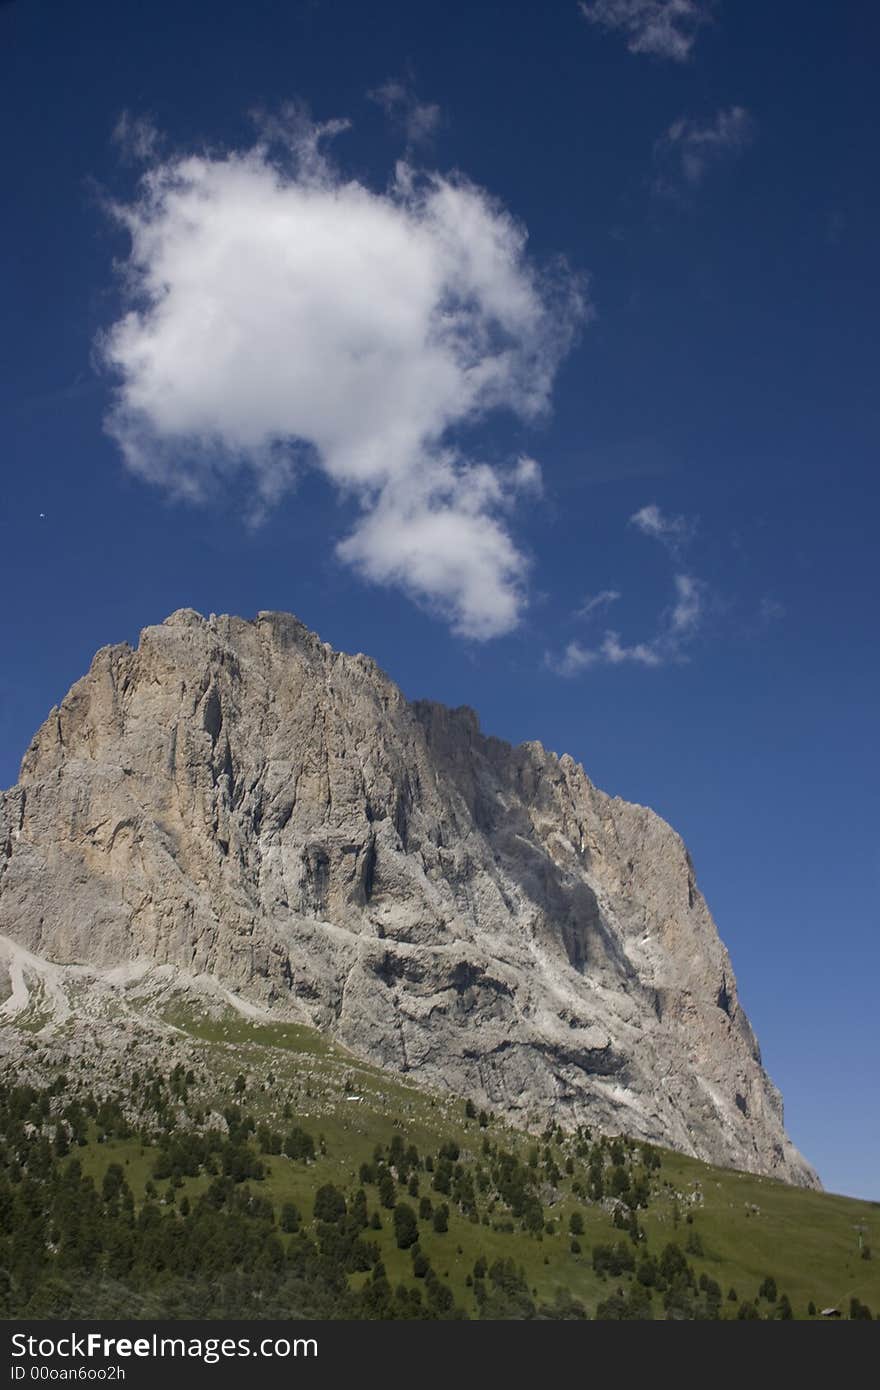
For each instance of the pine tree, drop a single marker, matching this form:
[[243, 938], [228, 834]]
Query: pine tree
[[330, 1205], [290, 1218], [406, 1226]]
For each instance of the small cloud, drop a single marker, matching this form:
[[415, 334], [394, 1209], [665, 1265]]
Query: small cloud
[[679, 625], [598, 601], [611, 652], [686, 152], [770, 611], [526, 476], [663, 28], [136, 137], [671, 531], [418, 119], [574, 659], [688, 609], [614, 652]]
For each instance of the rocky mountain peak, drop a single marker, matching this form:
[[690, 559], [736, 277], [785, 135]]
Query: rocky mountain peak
[[236, 799]]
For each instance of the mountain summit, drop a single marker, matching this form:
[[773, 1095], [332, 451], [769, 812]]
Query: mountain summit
[[235, 799]]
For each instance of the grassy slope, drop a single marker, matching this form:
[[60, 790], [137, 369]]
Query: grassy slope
[[749, 1226]]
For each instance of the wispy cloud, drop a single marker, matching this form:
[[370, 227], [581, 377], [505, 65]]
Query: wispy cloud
[[686, 152], [136, 137], [770, 611], [679, 624], [282, 316], [671, 531], [527, 477], [597, 602], [663, 28], [685, 615], [610, 652], [418, 119]]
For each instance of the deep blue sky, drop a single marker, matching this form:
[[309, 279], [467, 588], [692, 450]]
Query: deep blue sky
[[728, 377]]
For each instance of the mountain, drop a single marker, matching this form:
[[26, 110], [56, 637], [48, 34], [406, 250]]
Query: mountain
[[236, 801]]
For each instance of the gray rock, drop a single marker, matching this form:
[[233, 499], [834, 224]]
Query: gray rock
[[237, 798]]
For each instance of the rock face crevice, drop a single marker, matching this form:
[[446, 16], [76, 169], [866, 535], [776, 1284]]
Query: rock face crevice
[[237, 798]]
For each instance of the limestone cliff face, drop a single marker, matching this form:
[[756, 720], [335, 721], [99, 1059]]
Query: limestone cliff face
[[237, 798]]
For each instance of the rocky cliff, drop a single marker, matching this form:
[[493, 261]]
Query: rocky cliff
[[237, 799]]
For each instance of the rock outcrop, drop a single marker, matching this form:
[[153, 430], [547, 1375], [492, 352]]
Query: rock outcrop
[[236, 798]]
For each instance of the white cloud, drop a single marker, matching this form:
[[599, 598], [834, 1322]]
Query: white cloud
[[610, 652], [574, 659], [281, 316], [441, 545], [418, 119], [664, 28], [671, 531], [678, 625], [597, 602], [688, 149]]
